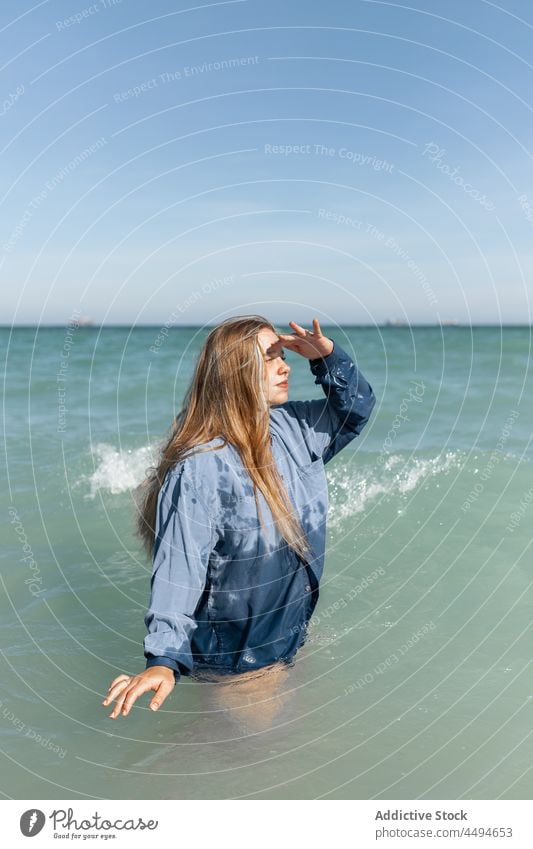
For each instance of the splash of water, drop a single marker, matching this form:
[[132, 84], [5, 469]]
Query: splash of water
[[352, 487], [119, 471]]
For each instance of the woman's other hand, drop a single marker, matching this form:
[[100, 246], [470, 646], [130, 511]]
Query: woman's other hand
[[311, 345], [126, 689]]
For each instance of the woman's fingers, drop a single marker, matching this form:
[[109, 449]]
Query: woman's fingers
[[289, 339], [162, 692], [131, 690], [302, 332], [305, 342], [122, 677], [299, 330], [116, 691], [129, 694], [316, 327]]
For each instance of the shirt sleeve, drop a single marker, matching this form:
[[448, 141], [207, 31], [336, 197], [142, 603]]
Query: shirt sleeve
[[328, 425], [184, 539]]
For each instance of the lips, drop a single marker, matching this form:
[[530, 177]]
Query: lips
[[285, 383]]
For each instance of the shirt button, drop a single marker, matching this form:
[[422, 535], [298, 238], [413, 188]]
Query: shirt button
[[308, 588]]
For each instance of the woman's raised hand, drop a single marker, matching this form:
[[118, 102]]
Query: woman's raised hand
[[126, 689], [310, 344]]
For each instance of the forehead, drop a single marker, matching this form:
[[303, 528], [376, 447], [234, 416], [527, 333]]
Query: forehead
[[267, 338]]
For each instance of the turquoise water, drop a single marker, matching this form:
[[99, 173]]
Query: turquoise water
[[416, 682]]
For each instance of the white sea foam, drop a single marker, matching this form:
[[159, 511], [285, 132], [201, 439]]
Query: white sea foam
[[119, 471], [352, 487]]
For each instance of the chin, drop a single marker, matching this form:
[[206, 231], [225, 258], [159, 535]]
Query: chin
[[282, 395]]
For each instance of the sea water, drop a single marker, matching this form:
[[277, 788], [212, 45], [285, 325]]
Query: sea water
[[417, 677]]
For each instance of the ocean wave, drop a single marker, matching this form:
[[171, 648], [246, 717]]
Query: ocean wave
[[352, 487], [118, 471]]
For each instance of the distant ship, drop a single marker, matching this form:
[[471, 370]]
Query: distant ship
[[396, 322], [85, 321], [400, 322]]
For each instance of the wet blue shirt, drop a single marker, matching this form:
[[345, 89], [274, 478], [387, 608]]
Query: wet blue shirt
[[224, 595]]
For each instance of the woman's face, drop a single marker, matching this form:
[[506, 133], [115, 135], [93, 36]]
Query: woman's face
[[276, 369]]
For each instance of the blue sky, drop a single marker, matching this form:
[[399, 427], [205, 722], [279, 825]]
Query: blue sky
[[181, 162]]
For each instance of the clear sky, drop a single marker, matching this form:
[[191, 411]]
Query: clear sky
[[179, 162]]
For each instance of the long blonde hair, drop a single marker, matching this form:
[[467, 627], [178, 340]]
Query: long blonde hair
[[226, 398]]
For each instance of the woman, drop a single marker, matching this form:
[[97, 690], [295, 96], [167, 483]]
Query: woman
[[234, 515]]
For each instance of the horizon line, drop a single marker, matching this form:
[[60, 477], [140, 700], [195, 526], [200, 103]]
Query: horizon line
[[390, 325]]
